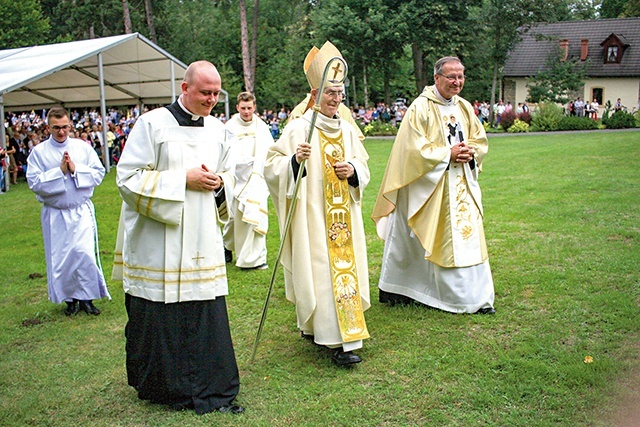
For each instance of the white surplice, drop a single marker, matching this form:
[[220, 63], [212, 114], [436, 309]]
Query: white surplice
[[68, 218], [169, 245], [245, 232]]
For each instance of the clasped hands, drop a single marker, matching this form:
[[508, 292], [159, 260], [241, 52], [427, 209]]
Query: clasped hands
[[462, 153], [201, 179], [343, 170], [67, 165]]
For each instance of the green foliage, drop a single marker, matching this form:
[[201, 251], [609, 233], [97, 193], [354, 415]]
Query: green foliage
[[546, 117], [620, 120], [631, 9], [557, 80], [612, 8], [378, 128], [22, 24], [577, 123], [518, 126]]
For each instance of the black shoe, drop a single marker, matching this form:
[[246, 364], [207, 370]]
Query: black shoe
[[72, 308], [486, 310], [228, 255], [394, 299], [344, 358], [231, 409], [89, 308]]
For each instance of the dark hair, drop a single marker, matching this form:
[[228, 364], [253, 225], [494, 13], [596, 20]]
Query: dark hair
[[246, 97], [57, 113]]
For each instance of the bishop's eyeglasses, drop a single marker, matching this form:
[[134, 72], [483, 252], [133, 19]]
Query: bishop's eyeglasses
[[454, 77]]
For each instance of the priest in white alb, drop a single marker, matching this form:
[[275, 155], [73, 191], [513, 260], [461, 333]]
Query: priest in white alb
[[172, 176], [429, 207], [63, 172], [245, 232], [324, 254]]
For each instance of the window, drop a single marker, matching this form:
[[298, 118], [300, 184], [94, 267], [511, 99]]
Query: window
[[597, 94], [612, 54]]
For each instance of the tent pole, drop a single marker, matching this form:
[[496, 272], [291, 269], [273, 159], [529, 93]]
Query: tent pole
[[3, 141], [103, 112], [173, 83]]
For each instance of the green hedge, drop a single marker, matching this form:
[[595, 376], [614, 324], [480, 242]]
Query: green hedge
[[619, 120]]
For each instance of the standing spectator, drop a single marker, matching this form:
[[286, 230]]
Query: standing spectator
[[282, 115], [246, 230], [484, 112], [274, 128], [430, 215], [324, 253], [170, 255], [578, 106], [63, 173], [595, 107], [15, 156], [618, 105]]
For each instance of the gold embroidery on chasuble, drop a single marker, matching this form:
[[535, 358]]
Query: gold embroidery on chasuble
[[342, 260], [463, 214]]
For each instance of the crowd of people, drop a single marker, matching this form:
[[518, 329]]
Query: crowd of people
[[580, 108], [25, 130]]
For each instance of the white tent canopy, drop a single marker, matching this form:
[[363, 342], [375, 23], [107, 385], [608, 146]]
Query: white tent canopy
[[134, 70], [121, 70]]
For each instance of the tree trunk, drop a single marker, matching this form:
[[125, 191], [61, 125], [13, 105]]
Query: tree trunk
[[148, 9], [416, 53], [254, 41], [364, 86], [494, 84], [126, 17], [244, 39]]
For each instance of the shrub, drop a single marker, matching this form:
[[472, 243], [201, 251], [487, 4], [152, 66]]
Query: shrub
[[619, 120], [507, 118], [577, 123], [519, 126], [379, 128], [547, 117], [525, 116]]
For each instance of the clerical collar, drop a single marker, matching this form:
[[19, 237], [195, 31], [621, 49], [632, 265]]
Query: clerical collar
[[55, 143], [183, 116], [442, 98]]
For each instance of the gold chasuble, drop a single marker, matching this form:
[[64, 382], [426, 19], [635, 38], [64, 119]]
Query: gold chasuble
[[342, 260]]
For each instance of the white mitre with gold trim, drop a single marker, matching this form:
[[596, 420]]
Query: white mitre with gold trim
[[317, 60]]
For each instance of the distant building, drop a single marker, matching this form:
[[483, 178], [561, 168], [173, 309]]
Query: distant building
[[611, 48]]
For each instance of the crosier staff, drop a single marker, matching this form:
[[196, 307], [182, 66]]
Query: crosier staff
[[294, 198]]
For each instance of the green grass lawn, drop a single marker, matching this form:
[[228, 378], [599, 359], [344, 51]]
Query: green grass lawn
[[563, 228]]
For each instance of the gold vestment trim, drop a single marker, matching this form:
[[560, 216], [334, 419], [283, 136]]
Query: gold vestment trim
[[342, 260]]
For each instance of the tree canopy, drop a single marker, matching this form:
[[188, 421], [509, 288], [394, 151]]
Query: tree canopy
[[390, 45]]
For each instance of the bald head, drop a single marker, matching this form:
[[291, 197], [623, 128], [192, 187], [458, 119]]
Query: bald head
[[201, 87]]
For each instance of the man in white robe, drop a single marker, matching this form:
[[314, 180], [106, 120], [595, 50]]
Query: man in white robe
[[429, 207], [324, 254], [63, 172], [169, 254], [245, 232]]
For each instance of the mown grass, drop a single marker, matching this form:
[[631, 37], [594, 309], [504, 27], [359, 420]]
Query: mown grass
[[562, 223]]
